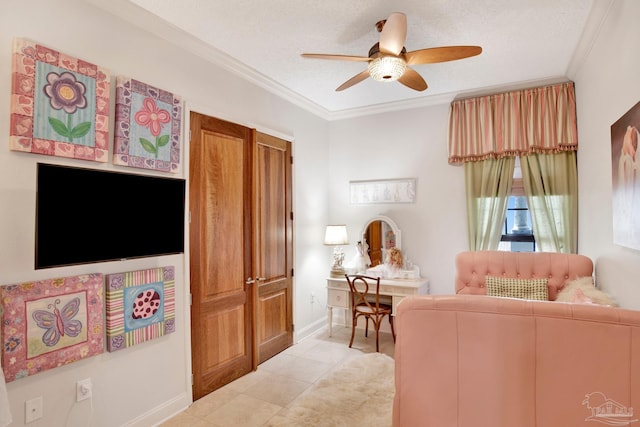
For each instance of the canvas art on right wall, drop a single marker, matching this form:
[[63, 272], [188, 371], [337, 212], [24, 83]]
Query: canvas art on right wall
[[625, 166]]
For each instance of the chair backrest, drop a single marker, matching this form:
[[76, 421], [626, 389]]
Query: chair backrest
[[362, 290]]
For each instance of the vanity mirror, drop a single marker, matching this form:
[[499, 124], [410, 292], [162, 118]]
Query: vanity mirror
[[380, 234]]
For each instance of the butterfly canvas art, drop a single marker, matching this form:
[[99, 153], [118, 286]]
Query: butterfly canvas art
[[56, 322], [50, 323]]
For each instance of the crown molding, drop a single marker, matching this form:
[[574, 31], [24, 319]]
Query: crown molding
[[147, 21], [599, 12]]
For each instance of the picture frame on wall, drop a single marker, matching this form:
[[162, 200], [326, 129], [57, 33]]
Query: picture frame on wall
[[382, 191], [147, 126], [140, 306], [59, 104], [50, 323], [625, 167]]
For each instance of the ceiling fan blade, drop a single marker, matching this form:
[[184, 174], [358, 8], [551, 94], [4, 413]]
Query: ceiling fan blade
[[394, 34], [413, 80], [337, 57], [441, 54], [353, 80]]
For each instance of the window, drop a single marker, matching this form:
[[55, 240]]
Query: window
[[517, 234]]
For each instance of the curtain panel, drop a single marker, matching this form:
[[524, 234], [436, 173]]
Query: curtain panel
[[488, 185], [518, 123], [551, 186]]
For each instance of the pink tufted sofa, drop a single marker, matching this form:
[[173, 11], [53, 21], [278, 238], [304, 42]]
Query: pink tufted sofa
[[472, 268], [478, 361]]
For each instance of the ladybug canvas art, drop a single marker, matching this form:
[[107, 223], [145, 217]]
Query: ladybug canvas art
[[140, 306]]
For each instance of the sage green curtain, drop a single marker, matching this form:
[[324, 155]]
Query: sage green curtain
[[488, 185], [551, 185]]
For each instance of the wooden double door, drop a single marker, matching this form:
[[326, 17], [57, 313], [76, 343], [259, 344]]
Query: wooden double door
[[241, 250]]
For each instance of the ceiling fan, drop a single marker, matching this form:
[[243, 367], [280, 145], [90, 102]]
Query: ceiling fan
[[389, 60]]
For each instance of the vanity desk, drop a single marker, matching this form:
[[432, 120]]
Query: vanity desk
[[379, 235], [338, 293]]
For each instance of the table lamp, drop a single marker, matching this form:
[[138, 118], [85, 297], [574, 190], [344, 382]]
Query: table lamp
[[336, 235]]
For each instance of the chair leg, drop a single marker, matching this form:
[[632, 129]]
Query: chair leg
[[354, 322], [366, 327], [377, 325], [393, 331]]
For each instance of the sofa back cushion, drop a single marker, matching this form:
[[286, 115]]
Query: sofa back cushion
[[472, 267]]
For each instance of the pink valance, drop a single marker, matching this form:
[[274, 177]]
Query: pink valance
[[538, 120]]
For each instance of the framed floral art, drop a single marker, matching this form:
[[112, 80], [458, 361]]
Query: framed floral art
[[59, 104], [140, 306], [50, 323], [148, 124]]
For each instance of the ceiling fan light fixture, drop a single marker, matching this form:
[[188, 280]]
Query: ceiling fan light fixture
[[387, 68]]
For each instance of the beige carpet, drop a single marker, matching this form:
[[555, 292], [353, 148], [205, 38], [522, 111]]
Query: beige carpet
[[359, 393]]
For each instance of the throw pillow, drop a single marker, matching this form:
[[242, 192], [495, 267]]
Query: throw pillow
[[582, 290], [535, 289]]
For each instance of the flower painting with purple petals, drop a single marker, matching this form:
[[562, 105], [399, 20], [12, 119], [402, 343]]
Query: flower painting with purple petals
[[147, 132], [140, 306], [50, 323], [59, 104]]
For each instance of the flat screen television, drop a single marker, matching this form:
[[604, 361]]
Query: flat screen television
[[89, 215]]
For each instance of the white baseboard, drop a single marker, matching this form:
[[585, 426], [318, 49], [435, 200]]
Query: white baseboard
[[310, 329], [162, 412]]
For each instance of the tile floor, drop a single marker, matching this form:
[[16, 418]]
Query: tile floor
[[265, 395]]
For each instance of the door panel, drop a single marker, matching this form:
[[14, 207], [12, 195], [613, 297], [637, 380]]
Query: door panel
[[274, 245], [373, 236], [220, 252]]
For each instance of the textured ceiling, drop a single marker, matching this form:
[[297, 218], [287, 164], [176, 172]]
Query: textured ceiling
[[525, 42]]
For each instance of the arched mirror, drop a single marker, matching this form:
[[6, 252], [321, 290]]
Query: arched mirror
[[380, 234]]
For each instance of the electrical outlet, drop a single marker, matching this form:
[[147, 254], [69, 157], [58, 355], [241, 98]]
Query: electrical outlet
[[84, 389], [33, 409]]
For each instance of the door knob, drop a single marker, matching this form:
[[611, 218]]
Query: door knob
[[260, 279], [250, 281]]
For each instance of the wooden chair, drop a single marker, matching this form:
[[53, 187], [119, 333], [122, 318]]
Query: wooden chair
[[365, 301]]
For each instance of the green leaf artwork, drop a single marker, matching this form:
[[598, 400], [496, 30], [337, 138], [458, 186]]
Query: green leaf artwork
[[81, 130], [78, 131], [148, 146], [59, 127], [163, 140]]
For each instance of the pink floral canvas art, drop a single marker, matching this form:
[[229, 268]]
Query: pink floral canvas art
[[140, 306], [59, 104], [50, 323], [147, 130]]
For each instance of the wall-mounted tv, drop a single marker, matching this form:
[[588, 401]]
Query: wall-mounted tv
[[89, 215]]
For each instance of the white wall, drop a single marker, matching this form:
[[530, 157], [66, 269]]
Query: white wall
[[148, 382], [607, 86], [404, 144]]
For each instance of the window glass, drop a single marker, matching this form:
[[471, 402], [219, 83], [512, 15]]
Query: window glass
[[517, 235]]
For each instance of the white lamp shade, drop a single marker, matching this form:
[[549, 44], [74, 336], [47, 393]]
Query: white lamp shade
[[336, 235]]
